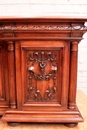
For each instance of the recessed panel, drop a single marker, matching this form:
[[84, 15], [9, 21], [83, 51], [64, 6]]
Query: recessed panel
[[42, 75]]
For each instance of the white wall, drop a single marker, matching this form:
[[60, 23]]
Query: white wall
[[31, 8], [82, 65], [42, 7]]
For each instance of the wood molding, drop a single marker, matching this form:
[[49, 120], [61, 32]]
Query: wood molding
[[42, 27]]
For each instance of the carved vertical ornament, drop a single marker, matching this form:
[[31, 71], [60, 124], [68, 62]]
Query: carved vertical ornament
[[42, 75]]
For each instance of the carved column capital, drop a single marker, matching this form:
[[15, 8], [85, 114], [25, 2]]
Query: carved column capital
[[74, 46], [10, 45]]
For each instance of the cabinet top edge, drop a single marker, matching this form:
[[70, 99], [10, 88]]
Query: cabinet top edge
[[45, 19]]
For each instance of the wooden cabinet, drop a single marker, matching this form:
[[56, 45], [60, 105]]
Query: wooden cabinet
[[38, 69]]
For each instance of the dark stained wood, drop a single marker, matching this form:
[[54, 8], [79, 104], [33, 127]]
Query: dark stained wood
[[38, 69]]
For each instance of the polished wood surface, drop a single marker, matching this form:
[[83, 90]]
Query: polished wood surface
[[39, 67]]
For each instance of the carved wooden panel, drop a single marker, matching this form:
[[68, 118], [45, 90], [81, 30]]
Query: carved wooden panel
[[42, 75], [41, 79], [43, 72]]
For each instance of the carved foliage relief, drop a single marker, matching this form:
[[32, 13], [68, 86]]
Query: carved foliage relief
[[42, 75]]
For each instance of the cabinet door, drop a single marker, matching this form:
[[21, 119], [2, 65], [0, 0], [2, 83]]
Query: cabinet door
[[3, 79], [42, 75]]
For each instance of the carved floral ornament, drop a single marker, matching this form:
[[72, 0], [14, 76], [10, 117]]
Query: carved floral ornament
[[39, 27]]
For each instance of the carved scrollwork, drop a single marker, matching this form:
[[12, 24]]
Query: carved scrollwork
[[41, 77], [36, 95], [43, 59]]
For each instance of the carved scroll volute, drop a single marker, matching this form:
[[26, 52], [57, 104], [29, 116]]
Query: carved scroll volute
[[73, 75], [11, 73]]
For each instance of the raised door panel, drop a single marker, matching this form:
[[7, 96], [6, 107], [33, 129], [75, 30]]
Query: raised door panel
[[4, 98], [43, 78]]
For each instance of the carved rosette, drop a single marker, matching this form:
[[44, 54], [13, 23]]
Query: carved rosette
[[42, 75]]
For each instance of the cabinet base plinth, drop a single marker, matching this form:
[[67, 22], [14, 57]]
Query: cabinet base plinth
[[65, 117]]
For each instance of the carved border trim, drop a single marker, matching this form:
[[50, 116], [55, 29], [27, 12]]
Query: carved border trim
[[42, 27]]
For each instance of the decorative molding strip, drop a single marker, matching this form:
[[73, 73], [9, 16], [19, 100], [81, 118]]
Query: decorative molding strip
[[42, 27]]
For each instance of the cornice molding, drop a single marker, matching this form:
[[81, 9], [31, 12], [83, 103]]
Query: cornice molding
[[42, 27]]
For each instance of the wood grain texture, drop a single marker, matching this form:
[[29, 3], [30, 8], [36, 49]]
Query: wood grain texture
[[42, 58], [4, 95], [11, 73]]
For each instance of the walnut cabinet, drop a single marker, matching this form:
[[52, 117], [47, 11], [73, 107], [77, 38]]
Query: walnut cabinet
[[38, 69]]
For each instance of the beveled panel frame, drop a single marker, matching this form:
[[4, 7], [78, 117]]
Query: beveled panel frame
[[63, 49]]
